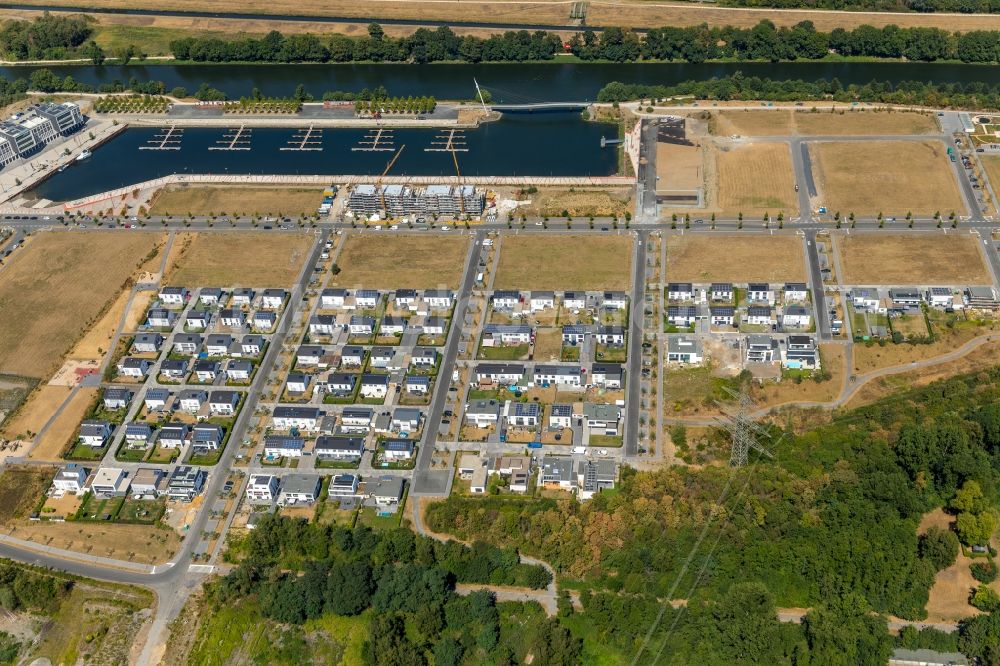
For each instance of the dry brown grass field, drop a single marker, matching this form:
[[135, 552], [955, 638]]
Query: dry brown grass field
[[892, 177], [245, 258], [578, 202], [746, 258], [35, 412], [57, 288], [888, 259], [991, 164], [181, 200], [51, 445], [679, 167], [786, 122], [564, 262], [756, 179], [134, 543], [752, 123], [404, 260]]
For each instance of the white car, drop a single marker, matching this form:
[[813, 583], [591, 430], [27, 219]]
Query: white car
[[445, 228], [602, 452], [394, 227]]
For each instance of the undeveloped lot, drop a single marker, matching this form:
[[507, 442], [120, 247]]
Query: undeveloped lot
[[539, 261], [20, 489], [236, 200], [892, 177], [57, 288], [551, 202], [34, 413], [405, 260], [135, 543], [245, 258], [756, 179], [704, 258], [679, 167], [51, 444], [784, 122], [900, 259]]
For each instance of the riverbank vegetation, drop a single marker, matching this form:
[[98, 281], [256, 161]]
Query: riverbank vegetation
[[831, 524], [922, 6], [739, 87]]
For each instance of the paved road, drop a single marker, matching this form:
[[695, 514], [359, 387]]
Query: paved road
[[816, 280], [633, 375]]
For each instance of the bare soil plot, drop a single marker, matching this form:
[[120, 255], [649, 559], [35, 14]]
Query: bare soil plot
[[578, 202], [146, 544], [33, 414], [57, 288], [903, 259], [406, 260], [747, 258], [579, 262], [858, 123], [756, 178], [136, 314], [679, 167], [247, 259], [548, 344], [180, 200], [53, 442], [894, 177], [97, 341]]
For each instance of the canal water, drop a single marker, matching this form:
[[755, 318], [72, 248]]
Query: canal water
[[542, 144], [508, 83]]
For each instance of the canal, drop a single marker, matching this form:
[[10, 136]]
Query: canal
[[508, 83], [544, 144]]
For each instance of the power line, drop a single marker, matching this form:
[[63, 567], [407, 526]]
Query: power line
[[743, 430]]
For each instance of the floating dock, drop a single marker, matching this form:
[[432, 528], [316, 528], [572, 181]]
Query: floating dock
[[451, 141], [380, 140], [306, 139], [234, 139], [168, 138]]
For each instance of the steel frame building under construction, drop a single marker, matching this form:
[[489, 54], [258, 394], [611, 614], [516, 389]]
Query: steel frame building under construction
[[400, 200]]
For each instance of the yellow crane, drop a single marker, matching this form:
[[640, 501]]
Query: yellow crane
[[378, 183]]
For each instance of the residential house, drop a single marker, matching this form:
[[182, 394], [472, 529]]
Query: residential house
[[71, 478], [610, 335], [558, 375], [558, 472], [262, 488], [322, 324], [482, 413], [541, 300], [424, 357], [206, 371], [608, 375], [682, 316], [395, 450], [147, 343], [434, 326], [138, 432], [721, 291], [602, 419], [233, 318], [439, 299], [218, 344], [264, 320], [110, 482], [356, 419], [187, 343], [286, 417], [280, 446], [332, 299], [174, 369], [387, 491], [251, 345], [405, 299], [223, 403], [759, 315], [506, 334], [722, 315], [173, 435], [560, 416], [574, 334], [149, 483], [680, 291], [132, 366], [238, 370], [197, 321], [366, 299], [206, 437], [905, 296], [374, 386], [417, 384], [940, 297], [522, 414], [982, 298], [352, 356], [505, 300], [160, 318], [116, 398], [760, 292], [361, 325], [615, 300], [342, 485], [191, 400], [273, 299], [337, 383], [406, 419], [801, 353], [95, 433], [392, 325], [682, 349], [210, 296], [173, 296], [185, 483], [796, 292], [499, 373], [308, 356], [297, 383], [574, 300], [156, 399], [593, 476], [865, 298], [796, 316], [761, 349], [340, 448]]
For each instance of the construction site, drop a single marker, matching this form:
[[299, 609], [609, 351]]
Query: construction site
[[395, 201]]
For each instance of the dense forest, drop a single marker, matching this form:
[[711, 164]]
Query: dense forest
[[831, 526], [740, 87], [954, 6], [764, 41]]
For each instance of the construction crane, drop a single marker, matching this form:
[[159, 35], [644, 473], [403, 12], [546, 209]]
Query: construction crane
[[378, 183]]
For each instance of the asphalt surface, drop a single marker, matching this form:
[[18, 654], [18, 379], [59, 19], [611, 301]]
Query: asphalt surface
[[816, 284], [633, 372]]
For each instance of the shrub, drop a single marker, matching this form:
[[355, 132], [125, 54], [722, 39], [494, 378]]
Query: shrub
[[984, 572]]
